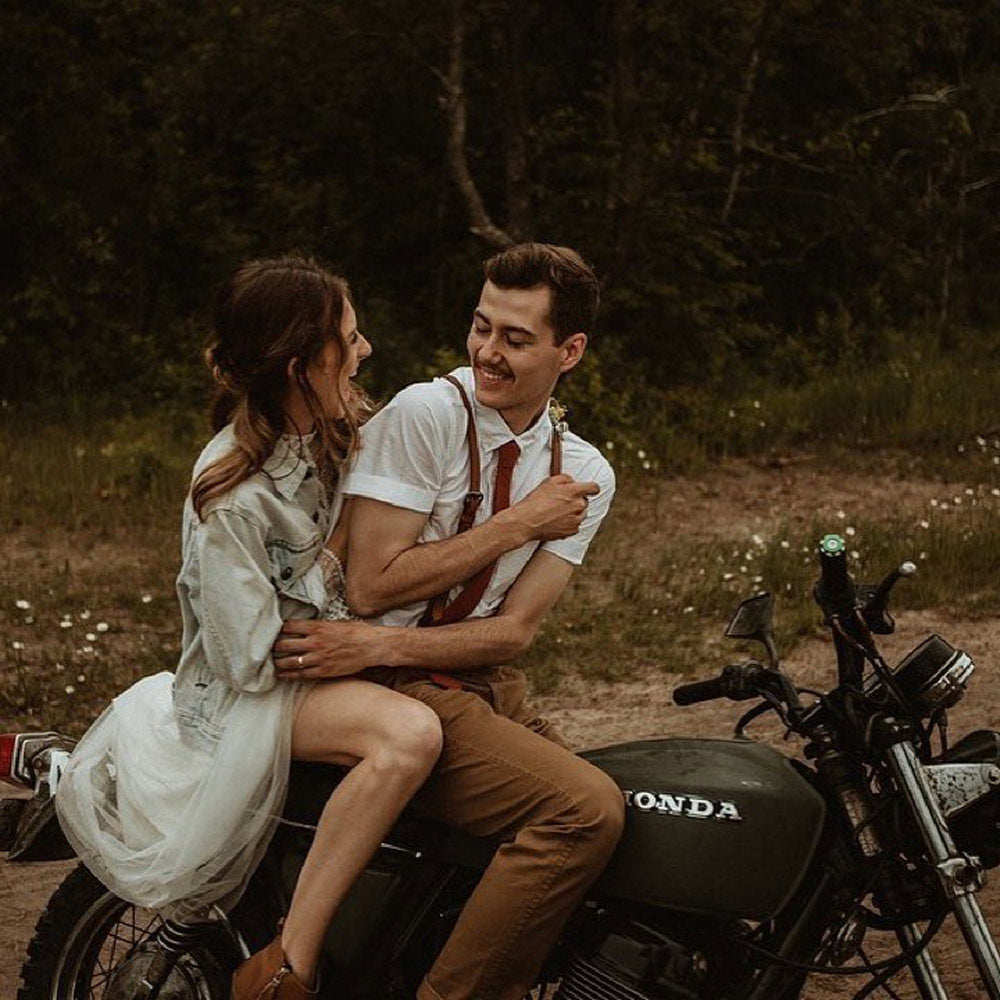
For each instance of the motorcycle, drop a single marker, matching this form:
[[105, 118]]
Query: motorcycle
[[741, 871]]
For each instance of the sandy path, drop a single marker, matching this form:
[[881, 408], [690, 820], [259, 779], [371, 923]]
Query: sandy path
[[730, 501]]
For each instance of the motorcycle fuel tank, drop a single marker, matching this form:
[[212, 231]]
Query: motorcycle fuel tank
[[719, 827]]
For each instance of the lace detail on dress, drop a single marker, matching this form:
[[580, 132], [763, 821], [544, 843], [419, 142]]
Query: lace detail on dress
[[336, 588]]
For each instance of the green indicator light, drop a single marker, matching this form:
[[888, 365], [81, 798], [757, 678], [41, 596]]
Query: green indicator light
[[832, 545]]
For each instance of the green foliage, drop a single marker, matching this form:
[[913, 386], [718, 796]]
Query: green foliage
[[763, 186]]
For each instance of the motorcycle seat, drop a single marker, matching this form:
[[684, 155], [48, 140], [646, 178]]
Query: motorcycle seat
[[311, 784]]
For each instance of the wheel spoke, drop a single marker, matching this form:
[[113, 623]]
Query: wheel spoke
[[129, 930]]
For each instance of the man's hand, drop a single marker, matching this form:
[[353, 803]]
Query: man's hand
[[553, 509], [308, 649]]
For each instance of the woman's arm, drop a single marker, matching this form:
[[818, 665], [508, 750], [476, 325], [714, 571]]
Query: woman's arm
[[240, 613]]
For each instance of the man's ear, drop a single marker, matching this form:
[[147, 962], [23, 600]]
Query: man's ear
[[293, 369], [573, 348]]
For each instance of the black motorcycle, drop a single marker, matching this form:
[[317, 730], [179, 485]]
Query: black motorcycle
[[740, 871]]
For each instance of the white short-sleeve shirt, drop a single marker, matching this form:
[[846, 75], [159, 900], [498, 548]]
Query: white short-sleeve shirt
[[414, 455]]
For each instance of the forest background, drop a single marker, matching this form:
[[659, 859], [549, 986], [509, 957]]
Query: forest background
[[792, 204], [775, 193]]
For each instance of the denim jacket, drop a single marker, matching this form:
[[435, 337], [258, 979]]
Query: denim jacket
[[249, 565]]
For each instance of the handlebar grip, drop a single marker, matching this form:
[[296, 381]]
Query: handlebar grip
[[835, 584], [690, 694]]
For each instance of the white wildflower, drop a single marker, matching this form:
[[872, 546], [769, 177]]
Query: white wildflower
[[22, 605]]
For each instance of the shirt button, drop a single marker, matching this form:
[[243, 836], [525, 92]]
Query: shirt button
[[286, 572]]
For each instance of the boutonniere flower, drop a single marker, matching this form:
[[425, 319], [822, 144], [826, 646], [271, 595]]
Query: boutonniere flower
[[557, 414]]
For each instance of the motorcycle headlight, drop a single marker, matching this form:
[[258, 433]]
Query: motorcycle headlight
[[932, 676]]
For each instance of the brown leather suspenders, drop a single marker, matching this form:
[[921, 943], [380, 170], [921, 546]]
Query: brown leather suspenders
[[474, 498]]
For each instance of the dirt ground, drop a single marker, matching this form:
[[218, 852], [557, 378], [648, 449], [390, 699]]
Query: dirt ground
[[735, 499]]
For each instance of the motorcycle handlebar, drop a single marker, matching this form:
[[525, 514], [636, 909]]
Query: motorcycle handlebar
[[835, 591], [691, 694], [738, 682]]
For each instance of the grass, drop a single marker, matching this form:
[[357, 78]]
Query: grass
[[90, 515], [935, 411], [651, 601]]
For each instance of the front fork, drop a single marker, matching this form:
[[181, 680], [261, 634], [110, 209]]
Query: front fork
[[960, 877]]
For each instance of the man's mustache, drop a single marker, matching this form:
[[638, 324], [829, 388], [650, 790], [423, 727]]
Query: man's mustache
[[503, 372]]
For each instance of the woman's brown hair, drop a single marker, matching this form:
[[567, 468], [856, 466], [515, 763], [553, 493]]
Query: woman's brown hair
[[271, 314]]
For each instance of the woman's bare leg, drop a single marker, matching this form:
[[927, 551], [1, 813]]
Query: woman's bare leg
[[396, 742]]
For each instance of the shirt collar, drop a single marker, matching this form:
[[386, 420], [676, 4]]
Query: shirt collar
[[290, 463], [492, 428]]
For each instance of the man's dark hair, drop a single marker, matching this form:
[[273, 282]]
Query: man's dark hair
[[575, 291]]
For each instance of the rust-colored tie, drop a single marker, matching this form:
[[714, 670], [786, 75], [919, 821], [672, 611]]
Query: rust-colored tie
[[472, 593]]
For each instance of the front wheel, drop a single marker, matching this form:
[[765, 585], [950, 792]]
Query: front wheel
[[91, 945]]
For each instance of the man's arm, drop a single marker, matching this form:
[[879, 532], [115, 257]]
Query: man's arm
[[387, 568], [337, 649]]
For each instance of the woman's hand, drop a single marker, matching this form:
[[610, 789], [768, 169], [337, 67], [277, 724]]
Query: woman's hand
[[308, 649]]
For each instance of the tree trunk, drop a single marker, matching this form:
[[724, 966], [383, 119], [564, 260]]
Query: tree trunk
[[742, 103], [508, 41], [625, 189], [454, 103]]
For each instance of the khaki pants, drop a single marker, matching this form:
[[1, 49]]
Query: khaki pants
[[504, 772]]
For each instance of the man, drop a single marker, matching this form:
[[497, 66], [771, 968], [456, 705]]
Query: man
[[503, 771]]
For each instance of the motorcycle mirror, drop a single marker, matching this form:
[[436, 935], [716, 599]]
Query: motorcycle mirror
[[753, 619]]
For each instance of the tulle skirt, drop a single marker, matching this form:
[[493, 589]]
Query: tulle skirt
[[165, 823]]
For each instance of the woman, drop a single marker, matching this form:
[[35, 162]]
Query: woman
[[172, 795]]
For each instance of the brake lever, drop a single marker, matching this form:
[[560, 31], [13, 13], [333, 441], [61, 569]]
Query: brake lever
[[875, 610]]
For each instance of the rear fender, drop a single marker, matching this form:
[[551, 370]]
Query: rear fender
[[37, 834], [32, 829]]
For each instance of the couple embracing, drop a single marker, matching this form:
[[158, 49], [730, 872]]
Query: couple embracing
[[449, 522]]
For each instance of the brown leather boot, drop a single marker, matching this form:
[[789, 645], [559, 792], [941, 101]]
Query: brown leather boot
[[266, 975]]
